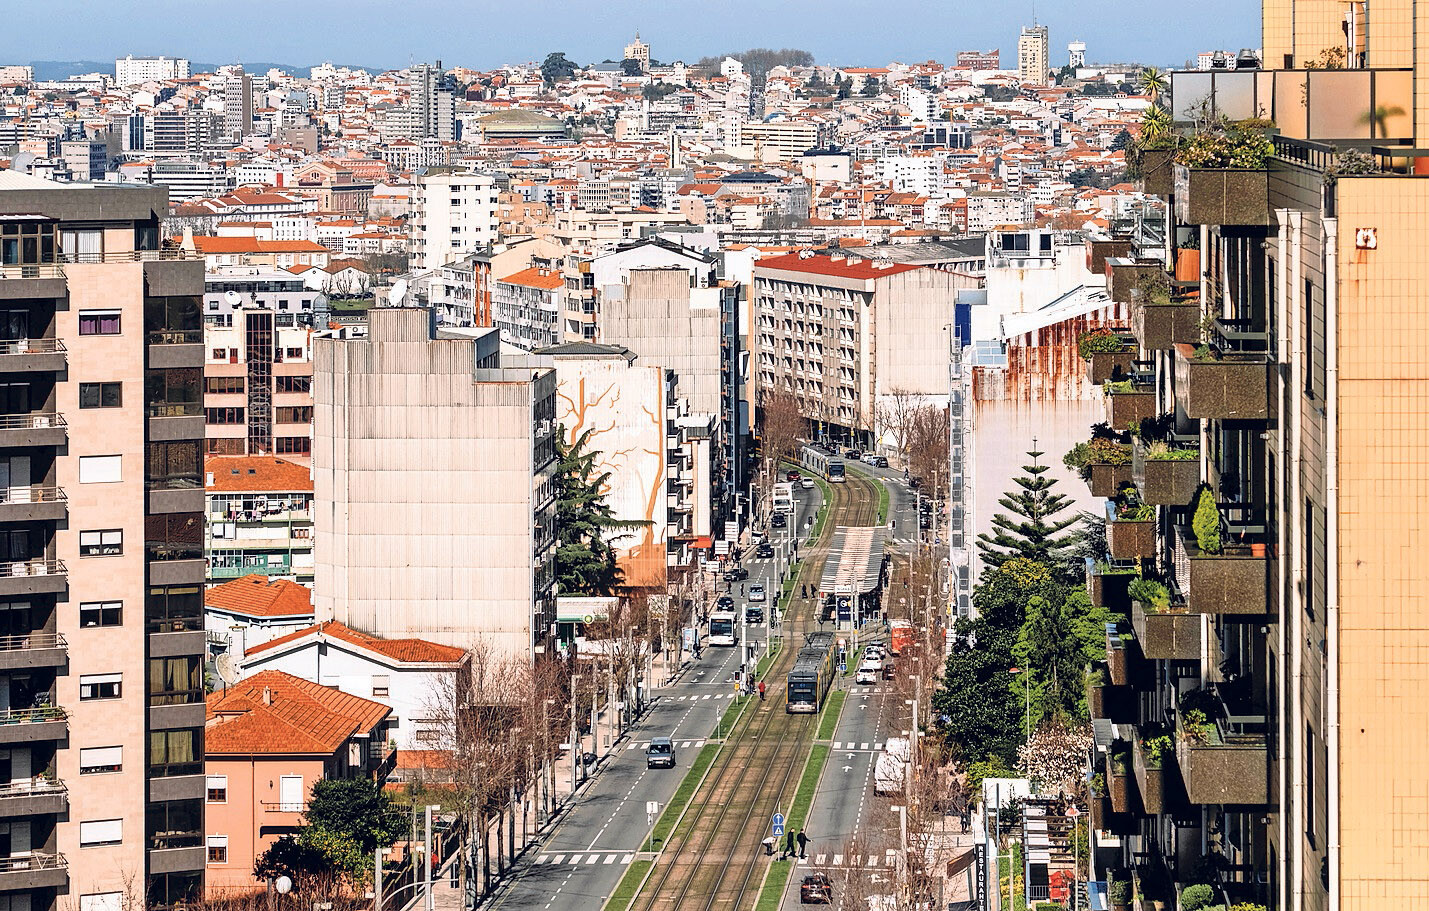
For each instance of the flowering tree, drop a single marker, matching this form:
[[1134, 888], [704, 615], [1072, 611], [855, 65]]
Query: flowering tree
[[1054, 756]]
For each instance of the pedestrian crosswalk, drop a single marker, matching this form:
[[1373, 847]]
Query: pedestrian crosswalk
[[584, 859], [857, 745], [888, 858], [681, 744], [699, 697]]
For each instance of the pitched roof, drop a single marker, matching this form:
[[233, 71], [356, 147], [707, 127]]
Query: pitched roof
[[274, 712], [255, 473], [535, 277], [406, 651], [259, 596], [209, 245], [862, 269]]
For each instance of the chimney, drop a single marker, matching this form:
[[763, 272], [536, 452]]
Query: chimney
[[836, 257], [267, 696]]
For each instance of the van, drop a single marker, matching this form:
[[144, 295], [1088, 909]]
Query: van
[[660, 754]]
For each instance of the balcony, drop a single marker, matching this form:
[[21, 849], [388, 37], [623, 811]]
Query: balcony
[[1100, 249], [34, 725], [1165, 475], [1161, 322], [1230, 582], [1118, 778], [33, 871], [1148, 765], [38, 649], [33, 504], [1230, 386], [1105, 479], [1127, 279], [1128, 403], [1223, 758], [1222, 196], [36, 797], [273, 567], [45, 281], [1170, 634], [1119, 661], [1130, 531], [1109, 365], [33, 577], [1158, 172], [1107, 583], [34, 429], [35, 355]]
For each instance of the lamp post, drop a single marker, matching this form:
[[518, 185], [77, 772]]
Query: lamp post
[[1027, 689]]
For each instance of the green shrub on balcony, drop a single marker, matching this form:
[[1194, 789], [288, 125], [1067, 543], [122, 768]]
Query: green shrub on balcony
[[1100, 341], [1097, 451], [1196, 897], [1135, 512], [1206, 523], [1157, 749], [1241, 145], [1154, 595], [1160, 451]]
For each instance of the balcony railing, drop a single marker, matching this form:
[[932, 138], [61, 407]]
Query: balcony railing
[[28, 568], [175, 337], [24, 346], [35, 787], [39, 715], [32, 641], [132, 256], [10, 271], [283, 806], [33, 862], [35, 420], [19, 496]]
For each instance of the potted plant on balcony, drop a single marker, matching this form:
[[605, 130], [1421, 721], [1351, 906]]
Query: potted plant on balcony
[[1221, 175], [1108, 354], [1097, 682], [1166, 475], [1152, 595], [1131, 533], [1103, 462], [1206, 523], [1196, 896], [1128, 403], [1119, 894]]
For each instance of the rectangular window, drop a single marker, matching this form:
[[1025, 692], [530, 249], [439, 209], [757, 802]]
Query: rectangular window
[[173, 391], [98, 832], [1308, 337], [100, 395], [99, 322], [177, 752], [174, 608], [295, 354], [102, 901], [223, 385], [101, 613], [1310, 784], [175, 681], [294, 414], [96, 760], [293, 383], [218, 789], [100, 686], [381, 686], [223, 415], [292, 445], [102, 543], [103, 469], [176, 465], [218, 849]]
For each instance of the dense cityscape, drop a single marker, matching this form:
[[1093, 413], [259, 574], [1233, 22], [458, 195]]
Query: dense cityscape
[[743, 482]]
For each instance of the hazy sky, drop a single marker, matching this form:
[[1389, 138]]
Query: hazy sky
[[483, 33]]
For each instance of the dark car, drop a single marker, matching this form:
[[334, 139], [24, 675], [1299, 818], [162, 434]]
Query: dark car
[[792, 476], [880, 462], [724, 602], [854, 454], [736, 574], [778, 521], [765, 549], [816, 889], [915, 483], [753, 614]]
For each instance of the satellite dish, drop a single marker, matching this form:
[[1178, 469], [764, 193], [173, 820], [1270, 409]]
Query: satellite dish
[[398, 292], [233, 297], [223, 666]]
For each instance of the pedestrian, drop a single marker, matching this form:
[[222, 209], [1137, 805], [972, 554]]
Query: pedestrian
[[741, 589], [761, 691], [788, 844], [804, 590], [803, 841]]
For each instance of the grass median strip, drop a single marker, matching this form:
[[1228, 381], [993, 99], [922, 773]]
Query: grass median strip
[[629, 885], [830, 719], [771, 894]]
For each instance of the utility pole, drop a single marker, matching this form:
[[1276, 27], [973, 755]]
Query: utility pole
[[427, 860]]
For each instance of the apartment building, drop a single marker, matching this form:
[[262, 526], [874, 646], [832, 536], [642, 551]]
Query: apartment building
[[101, 684], [433, 467], [454, 213], [260, 518], [1033, 55], [778, 140], [1285, 668], [237, 104], [842, 334], [528, 307], [258, 371], [131, 70]]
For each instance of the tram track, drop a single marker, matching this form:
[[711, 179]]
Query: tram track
[[714, 858]]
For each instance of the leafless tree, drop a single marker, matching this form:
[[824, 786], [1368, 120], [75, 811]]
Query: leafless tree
[[781, 427], [896, 414], [928, 447], [626, 636]]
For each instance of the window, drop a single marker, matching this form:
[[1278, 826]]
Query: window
[[175, 824], [1310, 784], [1308, 337], [104, 543], [99, 322], [176, 752], [174, 608], [293, 414], [98, 832], [295, 354], [97, 760], [223, 385], [293, 383], [174, 465], [223, 415], [174, 391], [292, 445], [101, 613], [218, 354], [100, 686], [175, 681], [218, 789], [100, 395], [381, 686], [99, 469], [218, 849], [102, 901]]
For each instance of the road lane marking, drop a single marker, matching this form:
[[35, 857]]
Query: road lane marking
[[594, 858], [610, 858], [560, 859]]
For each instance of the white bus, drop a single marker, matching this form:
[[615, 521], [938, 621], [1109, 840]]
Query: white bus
[[723, 628], [784, 498]]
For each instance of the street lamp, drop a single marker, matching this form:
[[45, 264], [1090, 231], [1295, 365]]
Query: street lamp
[[1027, 689]]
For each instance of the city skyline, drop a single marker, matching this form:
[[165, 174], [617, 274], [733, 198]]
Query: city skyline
[[1115, 31]]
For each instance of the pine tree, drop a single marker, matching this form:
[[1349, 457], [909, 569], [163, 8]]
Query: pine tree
[[585, 559], [1033, 529]]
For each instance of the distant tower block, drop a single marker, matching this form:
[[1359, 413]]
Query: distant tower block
[[1077, 51]]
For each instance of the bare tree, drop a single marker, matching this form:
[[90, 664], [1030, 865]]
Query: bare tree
[[781, 427], [928, 447], [626, 636], [896, 414]]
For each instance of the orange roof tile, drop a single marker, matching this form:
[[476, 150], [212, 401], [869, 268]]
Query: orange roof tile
[[535, 277], [407, 651], [207, 245], [255, 473], [824, 265], [274, 712], [259, 596]]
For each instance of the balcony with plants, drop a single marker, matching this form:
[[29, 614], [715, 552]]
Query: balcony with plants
[[1227, 376], [1152, 754], [1220, 561], [1166, 471], [1118, 778], [1108, 354], [1165, 629], [1121, 654], [1163, 312], [1222, 173], [1107, 582], [1131, 527], [1129, 401], [1221, 745], [1128, 277], [1104, 461]]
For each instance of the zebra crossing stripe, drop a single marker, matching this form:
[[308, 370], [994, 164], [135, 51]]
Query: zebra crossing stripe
[[592, 859], [559, 859], [838, 860], [627, 858], [610, 858], [820, 859]]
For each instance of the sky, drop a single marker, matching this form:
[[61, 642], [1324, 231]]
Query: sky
[[487, 33]]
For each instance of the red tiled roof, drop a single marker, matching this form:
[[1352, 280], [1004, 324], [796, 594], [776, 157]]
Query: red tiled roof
[[274, 712], [407, 651], [207, 245], [535, 277], [259, 596], [256, 473], [862, 269]]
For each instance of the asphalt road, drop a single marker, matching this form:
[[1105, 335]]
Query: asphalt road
[[580, 862]]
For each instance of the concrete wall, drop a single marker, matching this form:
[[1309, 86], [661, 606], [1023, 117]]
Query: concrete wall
[[656, 314]]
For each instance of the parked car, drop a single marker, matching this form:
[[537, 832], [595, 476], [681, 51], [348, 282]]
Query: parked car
[[660, 753], [736, 574], [779, 521], [880, 462], [807, 484], [816, 889], [756, 592], [764, 550], [870, 459], [854, 455]]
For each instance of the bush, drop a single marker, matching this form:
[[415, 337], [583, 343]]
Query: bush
[[1227, 145], [1101, 341], [1195, 897], [1097, 451], [1206, 524], [1150, 593], [1156, 750], [1119, 891], [988, 768]]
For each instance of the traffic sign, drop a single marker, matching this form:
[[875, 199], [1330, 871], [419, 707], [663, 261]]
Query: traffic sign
[[778, 825], [843, 668]]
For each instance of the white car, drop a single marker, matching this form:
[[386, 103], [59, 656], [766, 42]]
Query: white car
[[868, 671], [874, 652], [756, 592], [807, 484]]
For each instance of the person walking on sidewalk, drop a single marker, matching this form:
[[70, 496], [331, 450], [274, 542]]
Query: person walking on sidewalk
[[803, 841], [788, 844], [761, 691]]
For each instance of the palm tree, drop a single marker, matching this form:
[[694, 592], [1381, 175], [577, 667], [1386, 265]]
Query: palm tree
[[1152, 81], [1379, 119], [1155, 123]]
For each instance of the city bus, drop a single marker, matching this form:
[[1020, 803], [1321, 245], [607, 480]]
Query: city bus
[[723, 628]]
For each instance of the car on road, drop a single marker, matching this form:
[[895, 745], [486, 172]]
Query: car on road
[[736, 574], [807, 484], [791, 476], [764, 550], [756, 592], [874, 651], [753, 614], [869, 671], [778, 521], [816, 889], [870, 459], [724, 602], [854, 455], [880, 462], [660, 753], [888, 670]]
